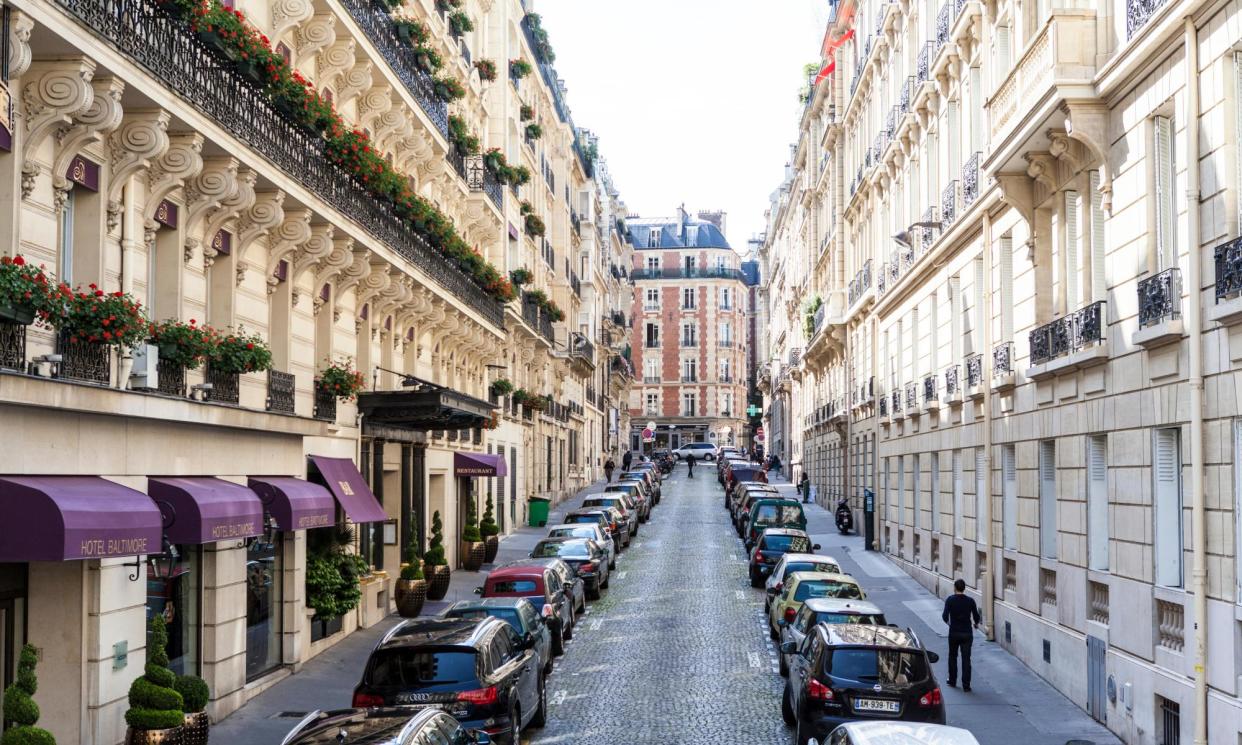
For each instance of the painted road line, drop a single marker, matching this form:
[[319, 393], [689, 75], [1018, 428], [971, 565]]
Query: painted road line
[[755, 660], [558, 697]]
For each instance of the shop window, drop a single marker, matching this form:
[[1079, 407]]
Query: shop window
[[175, 591], [264, 596]]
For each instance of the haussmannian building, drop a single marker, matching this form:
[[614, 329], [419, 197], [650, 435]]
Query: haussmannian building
[[137, 157], [1002, 284]]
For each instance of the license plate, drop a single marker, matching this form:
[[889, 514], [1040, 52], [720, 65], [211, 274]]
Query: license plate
[[872, 704]]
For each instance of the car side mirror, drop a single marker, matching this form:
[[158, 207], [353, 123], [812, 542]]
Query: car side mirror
[[482, 738], [815, 547], [478, 591], [531, 555], [789, 648], [782, 623], [933, 657]]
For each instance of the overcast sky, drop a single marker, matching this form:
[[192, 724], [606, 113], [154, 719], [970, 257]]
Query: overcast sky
[[695, 101]]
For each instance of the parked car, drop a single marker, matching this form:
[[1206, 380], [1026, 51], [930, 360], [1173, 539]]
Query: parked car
[[594, 531], [638, 494], [771, 513], [383, 726], [771, 546], [744, 472], [700, 450], [794, 562], [888, 733], [545, 589], [647, 476], [519, 613], [610, 520], [826, 610], [619, 500], [574, 586], [478, 670], [746, 491], [588, 559], [802, 586], [844, 672]]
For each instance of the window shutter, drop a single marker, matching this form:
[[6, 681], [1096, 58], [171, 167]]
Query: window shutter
[[1002, 52], [977, 319], [982, 494], [976, 109], [1166, 211], [916, 490], [1167, 472], [956, 318], [957, 493], [954, 138], [1097, 502], [934, 487], [1073, 276], [1098, 286], [1009, 495], [901, 490], [1005, 293], [1048, 499]]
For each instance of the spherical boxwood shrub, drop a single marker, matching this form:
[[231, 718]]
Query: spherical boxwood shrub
[[194, 692], [19, 706], [153, 701]]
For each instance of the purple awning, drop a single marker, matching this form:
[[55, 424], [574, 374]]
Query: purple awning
[[350, 489], [295, 504], [479, 464], [57, 518], [205, 509]]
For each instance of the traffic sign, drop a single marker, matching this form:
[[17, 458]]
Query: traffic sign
[[648, 435], [651, 425], [711, 435], [759, 435]]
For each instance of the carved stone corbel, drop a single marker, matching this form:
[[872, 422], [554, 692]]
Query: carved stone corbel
[[353, 82], [288, 13], [20, 28], [316, 33], [1087, 122], [182, 161], [237, 203], [141, 139], [293, 230], [204, 194], [1018, 191], [267, 212], [60, 93], [335, 59], [90, 127], [316, 248]]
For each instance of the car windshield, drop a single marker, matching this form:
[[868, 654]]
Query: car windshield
[[827, 588], [809, 566], [554, 549], [862, 618], [789, 543], [414, 666], [515, 587], [602, 502], [508, 615], [572, 532], [891, 666], [778, 514], [584, 519]]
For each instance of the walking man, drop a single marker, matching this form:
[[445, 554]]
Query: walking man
[[804, 486], [626, 460], [690, 460], [609, 467], [963, 616]]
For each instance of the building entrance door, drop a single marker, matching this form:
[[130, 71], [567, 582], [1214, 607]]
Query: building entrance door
[[1097, 679]]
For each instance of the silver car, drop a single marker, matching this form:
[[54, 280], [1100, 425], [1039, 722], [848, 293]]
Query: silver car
[[891, 733], [383, 726], [587, 530], [796, 563]]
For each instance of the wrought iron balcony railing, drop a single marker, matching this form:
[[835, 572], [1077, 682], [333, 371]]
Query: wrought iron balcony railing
[[677, 272], [1068, 334], [325, 406], [795, 355], [912, 395], [944, 19], [818, 321], [906, 95], [883, 406], [881, 281], [930, 389], [927, 232], [922, 64], [861, 283], [280, 391], [12, 346], [225, 387], [1228, 261], [1138, 12], [896, 400], [948, 205], [1160, 297], [970, 181], [1002, 359], [952, 380], [974, 370]]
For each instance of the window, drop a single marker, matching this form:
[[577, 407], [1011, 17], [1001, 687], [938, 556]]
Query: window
[[689, 335], [726, 404], [1073, 271], [957, 493], [1005, 250], [1048, 499], [726, 298], [653, 241], [651, 370], [1009, 495], [1165, 167], [901, 490], [689, 370], [652, 299], [982, 494], [691, 264], [176, 595], [1095, 235], [653, 404], [264, 606], [935, 492], [888, 489], [689, 404], [726, 334], [687, 298], [725, 372], [1097, 502], [1167, 475], [916, 476], [653, 335], [64, 270]]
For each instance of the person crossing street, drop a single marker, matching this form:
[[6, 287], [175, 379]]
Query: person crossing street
[[963, 617], [690, 461]]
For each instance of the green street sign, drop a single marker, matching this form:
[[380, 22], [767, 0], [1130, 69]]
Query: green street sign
[[752, 410]]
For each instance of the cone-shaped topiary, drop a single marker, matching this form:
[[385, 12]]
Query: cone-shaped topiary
[[153, 702], [470, 533], [435, 552], [194, 692], [488, 526], [19, 706]]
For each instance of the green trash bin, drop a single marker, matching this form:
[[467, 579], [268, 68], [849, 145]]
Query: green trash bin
[[538, 509]]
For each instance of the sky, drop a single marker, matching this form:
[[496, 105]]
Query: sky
[[695, 101]]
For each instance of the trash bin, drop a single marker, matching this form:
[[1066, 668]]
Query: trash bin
[[538, 507]]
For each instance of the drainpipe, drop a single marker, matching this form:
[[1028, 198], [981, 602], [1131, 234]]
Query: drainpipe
[[1194, 330], [132, 231], [989, 577]]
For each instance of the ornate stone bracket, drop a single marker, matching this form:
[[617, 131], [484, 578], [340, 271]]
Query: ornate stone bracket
[[237, 203], [267, 212], [315, 34], [1087, 122], [1018, 191], [90, 127], [61, 92], [204, 194], [340, 257], [293, 231], [141, 139], [181, 162], [20, 56], [351, 275], [288, 13]]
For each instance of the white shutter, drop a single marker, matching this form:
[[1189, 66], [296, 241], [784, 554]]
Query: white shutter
[[1009, 496], [901, 490], [915, 345], [977, 319], [1098, 280], [888, 490], [1002, 53], [1048, 499], [957, 493], [933, 164], [976, 109], [956, 328], [1166, 468], [1072, 274], [916, 488], [1166, 209], [934, 363], [1005, 291], [1237, 166], [955, 138], [983, 493], [935, 492], [1097, 502]]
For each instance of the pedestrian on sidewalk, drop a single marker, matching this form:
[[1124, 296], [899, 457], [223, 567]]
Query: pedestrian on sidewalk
[[690, 461], [609, 467], [963, 617], [626, 460], [804, 486]]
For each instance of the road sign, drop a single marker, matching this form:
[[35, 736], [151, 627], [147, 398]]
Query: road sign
[[651, 425], [711, 435], [648, 435], [759, 436]]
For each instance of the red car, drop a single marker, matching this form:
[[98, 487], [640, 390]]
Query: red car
[[543, 587]]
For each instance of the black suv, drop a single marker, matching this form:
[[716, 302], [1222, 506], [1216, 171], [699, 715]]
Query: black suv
[[478, 670], [845, 672]]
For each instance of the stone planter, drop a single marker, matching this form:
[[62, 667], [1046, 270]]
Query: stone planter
[[438, 582], [472, 554], [154, 736], [14, 314], [410, 595], [197, 727], [217, 44], [492, 543]]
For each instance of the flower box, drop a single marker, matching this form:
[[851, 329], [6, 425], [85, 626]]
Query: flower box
[[15, 314]]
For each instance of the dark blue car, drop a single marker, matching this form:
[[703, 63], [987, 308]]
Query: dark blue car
[[519, 613]]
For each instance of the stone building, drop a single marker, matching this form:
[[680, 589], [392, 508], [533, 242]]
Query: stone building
[[690, 323], [140, 156], [1004, 264]]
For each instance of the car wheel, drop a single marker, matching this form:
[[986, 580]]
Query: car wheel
[[541, 714], [594, 593], [784, 667], [772, 633], [569, 627], [558, 643], [755, 580], [515, 730], [787, 712]]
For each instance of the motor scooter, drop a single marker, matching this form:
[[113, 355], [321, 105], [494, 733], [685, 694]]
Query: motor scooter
[[845, 517]]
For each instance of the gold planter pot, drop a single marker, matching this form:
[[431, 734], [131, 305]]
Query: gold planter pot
[[410, 595], [472, 555], [493, 545], [437, 581], [197, 727], [171, 736]]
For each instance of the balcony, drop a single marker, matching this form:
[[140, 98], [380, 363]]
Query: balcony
[[912, 397], [881, 281], [724, 343], [1072, 342], [948, 206], [974, 375], [923, 62], [795, 356], [927, 233], [689, 378], [897, 412], [280, 390], [953, 384], [970, 181], [931, 393], [651, 379], [678, 272], [1003, 366], [1160, 309], [581, 348], [883, 406], [1228, 265], [537, 319], [1138, 12], [859, 285]]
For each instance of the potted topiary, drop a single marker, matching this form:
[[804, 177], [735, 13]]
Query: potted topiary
[[490, 532], [195, 695], [502, 387], [156, 715], [473, 549], [411, 589], [436, 562], [20, 709]]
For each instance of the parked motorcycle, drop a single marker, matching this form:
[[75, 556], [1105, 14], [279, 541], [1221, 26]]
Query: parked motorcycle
[[845, 517]]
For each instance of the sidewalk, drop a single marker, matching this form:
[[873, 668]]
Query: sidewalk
[[1009, 702], [327, 681]]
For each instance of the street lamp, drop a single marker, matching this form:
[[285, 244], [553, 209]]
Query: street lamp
[[904, 236]]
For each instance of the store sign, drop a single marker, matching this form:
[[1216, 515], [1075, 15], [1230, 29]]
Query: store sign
[[6, 118], [166, 214], [83, 172]]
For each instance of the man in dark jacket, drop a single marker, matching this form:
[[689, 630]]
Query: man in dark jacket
[[690, 461], [963, 617], [626, 460]]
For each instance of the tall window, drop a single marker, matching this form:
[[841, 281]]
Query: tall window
[[689, 403], [901, 490], [1165, 165], [1097, 502], [888, 487], [726, 404], [726, 298], [1167, 475], [689, 370], [653, 238], [653, 263], [957, 493], [1048, 499], [652, 299], [726, 334], [935, 492], [687, 298], [1005, 249], [653, 404], [1009, 495], [725, 371], [651, 370], [653, 335], [1095, 236], [982, 495], [691, 263], [916, 476], [689, 335]]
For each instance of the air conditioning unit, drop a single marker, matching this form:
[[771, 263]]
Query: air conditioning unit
[[145, 374]]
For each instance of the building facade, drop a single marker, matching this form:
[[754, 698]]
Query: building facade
[[690, 321], [142, 157], [1002, 279]]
